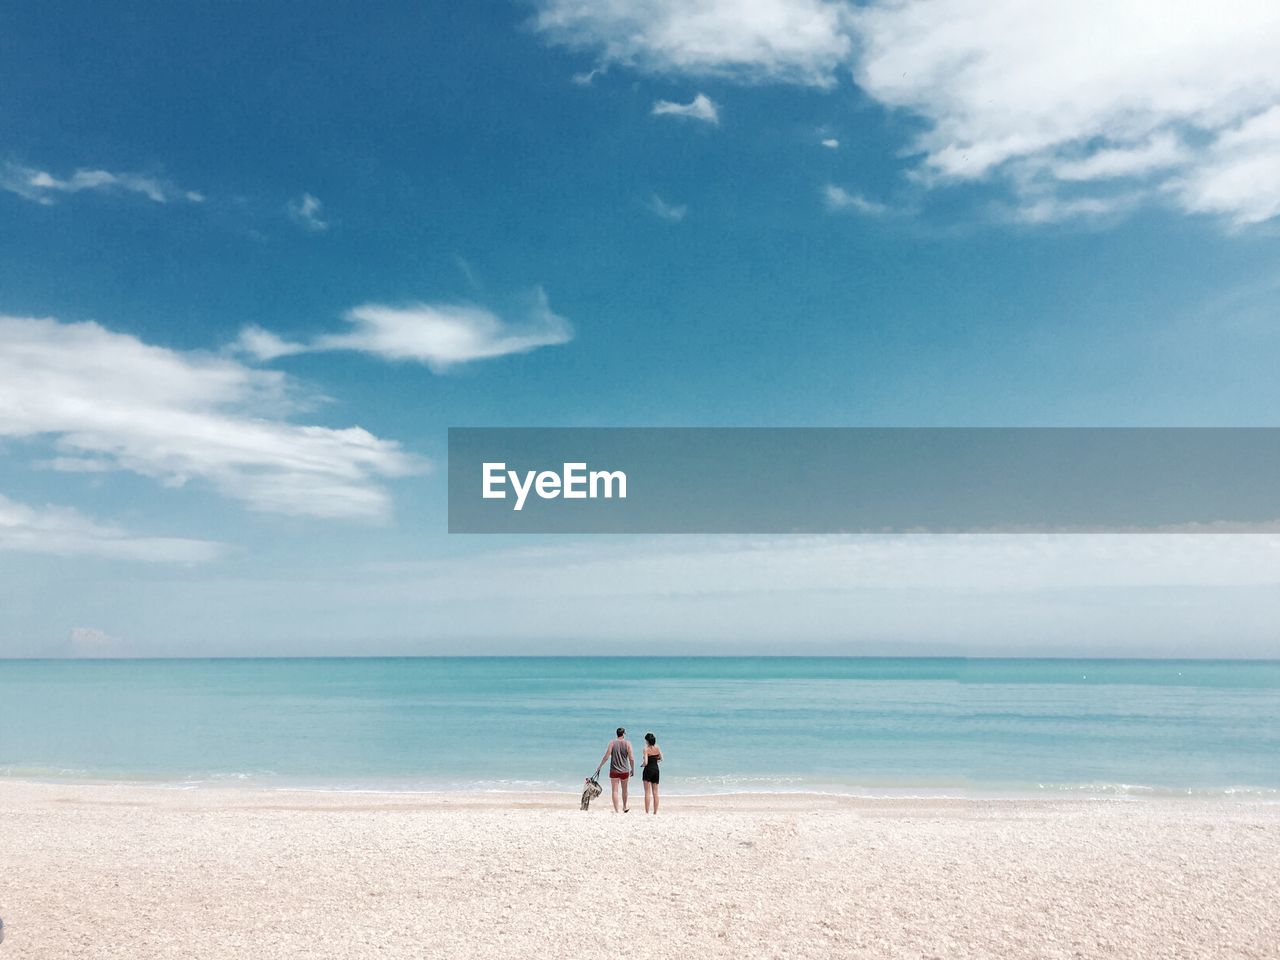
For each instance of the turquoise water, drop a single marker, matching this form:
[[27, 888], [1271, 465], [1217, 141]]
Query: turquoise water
[[892, 726]]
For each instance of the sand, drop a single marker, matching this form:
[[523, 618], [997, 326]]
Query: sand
[[146, 872]]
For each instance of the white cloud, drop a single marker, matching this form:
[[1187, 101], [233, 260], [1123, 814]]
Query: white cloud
[[699, 108], [794, 41], [831, 143], [440, 335], [1054, 95], [672, 212], [43, 187], [113, 402], [1074, 106], [64, 532], [305, 212], [1240, 174], [444, 335], [839, 199]]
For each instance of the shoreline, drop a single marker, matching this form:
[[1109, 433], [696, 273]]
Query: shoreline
[[240, 796], [975, 793]]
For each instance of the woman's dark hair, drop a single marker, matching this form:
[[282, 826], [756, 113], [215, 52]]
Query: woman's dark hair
[[650, 739], [621, 731]]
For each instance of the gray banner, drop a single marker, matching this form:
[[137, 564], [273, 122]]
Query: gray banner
[[862, 480]]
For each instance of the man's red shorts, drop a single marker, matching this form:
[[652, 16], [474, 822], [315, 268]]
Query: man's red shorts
[[615, 775]]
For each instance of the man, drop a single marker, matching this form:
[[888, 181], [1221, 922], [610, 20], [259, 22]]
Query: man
[[622, 764]]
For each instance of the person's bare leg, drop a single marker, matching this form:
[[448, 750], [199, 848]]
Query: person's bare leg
[[655, 799], [614, 783], [624, 796], [647, 789]]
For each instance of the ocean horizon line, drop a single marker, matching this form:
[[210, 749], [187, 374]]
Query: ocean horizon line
[[636, 657]]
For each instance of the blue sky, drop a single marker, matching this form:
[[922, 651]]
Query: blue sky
[[254, 262]]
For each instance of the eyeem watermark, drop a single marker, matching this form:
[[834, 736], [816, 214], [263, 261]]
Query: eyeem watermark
[[863, 480], [572, 482]]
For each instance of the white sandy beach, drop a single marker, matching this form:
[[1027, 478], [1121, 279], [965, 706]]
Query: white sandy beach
[[142, 872]]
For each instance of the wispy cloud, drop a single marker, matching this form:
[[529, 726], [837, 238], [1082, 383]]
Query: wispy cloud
[[305, 211], [1052, 208], [64, 532], [793, 41], [112, 402], [468, 272], [588, 77], [44, 188], [440, 335], [699, 108], [831, 143], [671, 212], [838, 199]]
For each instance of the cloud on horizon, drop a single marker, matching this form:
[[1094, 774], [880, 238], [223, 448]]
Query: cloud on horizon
[[92, 643], [439, 335], [43, 188], [1077, 108], [112, 402]]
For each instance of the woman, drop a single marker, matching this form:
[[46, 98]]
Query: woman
[[649, 760]]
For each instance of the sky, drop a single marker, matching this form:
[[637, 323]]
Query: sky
[[256, 259]]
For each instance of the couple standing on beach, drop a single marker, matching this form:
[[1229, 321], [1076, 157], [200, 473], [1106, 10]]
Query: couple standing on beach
[[622, 767]]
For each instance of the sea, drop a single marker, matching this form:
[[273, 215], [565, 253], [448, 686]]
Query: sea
[[859, 726]]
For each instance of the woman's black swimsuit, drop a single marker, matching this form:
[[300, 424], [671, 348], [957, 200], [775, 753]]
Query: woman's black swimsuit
[[650, 772]]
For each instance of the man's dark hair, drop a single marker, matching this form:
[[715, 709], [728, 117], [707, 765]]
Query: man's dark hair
[[621, 731]]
